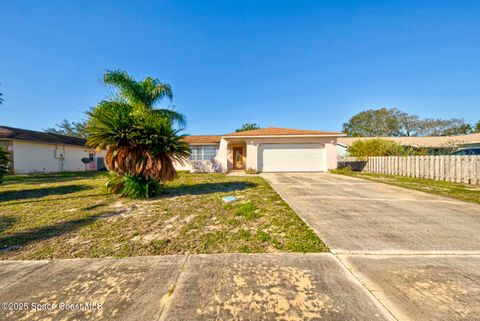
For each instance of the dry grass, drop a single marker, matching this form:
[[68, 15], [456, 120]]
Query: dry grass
[[70, 215]]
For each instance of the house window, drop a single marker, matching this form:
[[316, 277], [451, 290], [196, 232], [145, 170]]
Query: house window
[[203, 152]]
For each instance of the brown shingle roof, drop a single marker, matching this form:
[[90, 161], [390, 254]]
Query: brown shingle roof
[[203, 139], [273, 131], [425, 141], [35, 136]]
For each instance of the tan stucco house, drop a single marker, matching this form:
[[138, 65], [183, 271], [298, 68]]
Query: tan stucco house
[[264, 150], [39, 152]]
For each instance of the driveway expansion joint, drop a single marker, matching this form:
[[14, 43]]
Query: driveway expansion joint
[[168, 296], [371, 293]]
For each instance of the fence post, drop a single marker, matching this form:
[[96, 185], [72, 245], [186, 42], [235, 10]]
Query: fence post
[[409, 166], [453, 164], [458, 169], [466, 169], [422, 166], [477, 170], [441, 167]]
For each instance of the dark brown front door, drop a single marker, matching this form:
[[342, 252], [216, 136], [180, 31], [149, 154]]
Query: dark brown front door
[[238, 158]]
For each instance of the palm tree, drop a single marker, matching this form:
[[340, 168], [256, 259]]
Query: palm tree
[[144, 94], [141, 141]]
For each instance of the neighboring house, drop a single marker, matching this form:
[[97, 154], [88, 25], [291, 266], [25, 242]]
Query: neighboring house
[[435, 145], [264, 150], [39, 152]]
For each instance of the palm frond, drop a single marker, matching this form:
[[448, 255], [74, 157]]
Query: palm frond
[[173, 116], [128, 88], [154, 90]]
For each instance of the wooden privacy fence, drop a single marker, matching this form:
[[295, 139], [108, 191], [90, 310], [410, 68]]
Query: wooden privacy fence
[[460, 169]]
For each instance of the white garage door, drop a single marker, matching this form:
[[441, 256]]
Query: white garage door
[[292, 158]]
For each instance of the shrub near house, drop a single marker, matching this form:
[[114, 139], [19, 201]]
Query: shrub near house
[[4, 159], [380, 147]]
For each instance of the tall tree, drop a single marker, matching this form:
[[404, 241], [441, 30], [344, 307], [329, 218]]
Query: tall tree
[[374, 122], [444, 127], [141, 142], [247, 126], [476, 129], [393, 122], [75, 129]]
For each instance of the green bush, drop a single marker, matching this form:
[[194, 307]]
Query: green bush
[[379, 147], [343, 170], [251, 171], [133, 186], [4, 159]]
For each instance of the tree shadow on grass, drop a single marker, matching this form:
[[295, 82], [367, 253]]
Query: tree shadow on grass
[[58, 199], [41, 192], [6, 222], [18, 239], [50, 177], [206, 188]]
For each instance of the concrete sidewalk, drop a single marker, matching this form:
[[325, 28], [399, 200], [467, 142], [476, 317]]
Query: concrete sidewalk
[[197, 287], [418, 254]]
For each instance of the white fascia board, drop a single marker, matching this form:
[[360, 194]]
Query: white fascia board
[[283, 136]]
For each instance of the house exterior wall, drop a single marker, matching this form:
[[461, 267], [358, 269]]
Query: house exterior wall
[[219, 164], [186, 166], [222, 156], [254, 143], [33, 157], [342, 151], [223, 161]]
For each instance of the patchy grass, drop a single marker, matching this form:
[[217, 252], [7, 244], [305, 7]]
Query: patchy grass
[[464, 192], [70, 215]]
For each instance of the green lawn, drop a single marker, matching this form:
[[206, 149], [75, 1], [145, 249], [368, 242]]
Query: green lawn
[[70, 215], [464, 192]]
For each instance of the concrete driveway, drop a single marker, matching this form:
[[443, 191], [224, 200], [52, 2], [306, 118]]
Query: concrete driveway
[[358, 216], [417, 253]]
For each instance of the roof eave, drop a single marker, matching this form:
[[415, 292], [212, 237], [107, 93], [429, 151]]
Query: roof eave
[[44, 142], [285, 136], [203, 143]]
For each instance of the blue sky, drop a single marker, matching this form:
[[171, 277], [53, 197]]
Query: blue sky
[[298, 64]]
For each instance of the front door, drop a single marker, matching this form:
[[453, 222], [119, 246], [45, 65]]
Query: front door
[[238, 159]]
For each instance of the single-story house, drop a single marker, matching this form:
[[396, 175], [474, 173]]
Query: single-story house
[[39, 152], [263, 150], [435, 145]]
